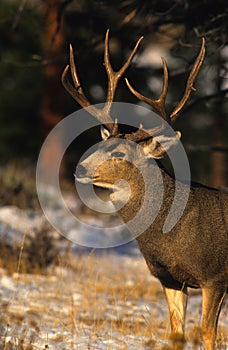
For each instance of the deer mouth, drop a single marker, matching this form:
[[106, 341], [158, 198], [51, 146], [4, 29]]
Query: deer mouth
[[84, 180], [87, 180], [102, 184]]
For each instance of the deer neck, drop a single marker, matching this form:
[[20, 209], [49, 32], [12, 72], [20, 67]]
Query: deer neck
[[146, 187]]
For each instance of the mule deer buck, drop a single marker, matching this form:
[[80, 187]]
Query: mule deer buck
[[194, 252]]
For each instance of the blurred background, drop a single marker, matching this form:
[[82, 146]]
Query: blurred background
[[34, 46], [34, 50]]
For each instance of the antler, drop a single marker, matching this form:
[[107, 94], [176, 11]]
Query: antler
[[158, 105], [189, 86], [76, 91]]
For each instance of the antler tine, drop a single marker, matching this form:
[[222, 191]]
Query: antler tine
[[189, 86], [114, 76], [158, 105], [77, 93]]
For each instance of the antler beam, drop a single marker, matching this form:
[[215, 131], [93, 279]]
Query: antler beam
[[158, 106], [76, 91]]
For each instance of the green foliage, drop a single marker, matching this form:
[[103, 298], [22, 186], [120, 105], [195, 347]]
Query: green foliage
[[20, 82]]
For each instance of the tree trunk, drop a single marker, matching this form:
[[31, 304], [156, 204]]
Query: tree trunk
[[51, 104]]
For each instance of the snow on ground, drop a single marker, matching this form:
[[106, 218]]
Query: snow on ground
[[101, 300], [89, 309], [56, 311]]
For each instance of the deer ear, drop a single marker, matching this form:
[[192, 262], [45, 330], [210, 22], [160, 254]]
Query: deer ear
[[104, 133], [158, 147]]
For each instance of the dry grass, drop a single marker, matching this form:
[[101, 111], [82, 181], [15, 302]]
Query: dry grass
[[92, 294], [89, 297], [33, 255], [102, 292], [17, 186]]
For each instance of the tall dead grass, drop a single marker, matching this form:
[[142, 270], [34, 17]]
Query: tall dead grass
[[109, 296]]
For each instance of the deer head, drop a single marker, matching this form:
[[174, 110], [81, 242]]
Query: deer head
[[155, 142]]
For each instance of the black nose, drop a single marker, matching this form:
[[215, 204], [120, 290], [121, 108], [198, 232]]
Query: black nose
[[80, 171]]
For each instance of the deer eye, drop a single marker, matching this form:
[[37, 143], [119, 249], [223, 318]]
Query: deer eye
[[118, 155]]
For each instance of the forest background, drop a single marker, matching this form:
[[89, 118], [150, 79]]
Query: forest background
[[34, 46]]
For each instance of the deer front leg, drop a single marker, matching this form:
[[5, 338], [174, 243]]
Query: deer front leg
[[211, 306], [177, 303]]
